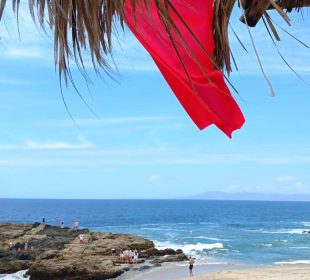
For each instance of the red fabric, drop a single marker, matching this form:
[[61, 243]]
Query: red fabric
[[206, 99]]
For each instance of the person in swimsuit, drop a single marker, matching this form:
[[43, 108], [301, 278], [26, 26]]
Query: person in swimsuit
[[191, 262]]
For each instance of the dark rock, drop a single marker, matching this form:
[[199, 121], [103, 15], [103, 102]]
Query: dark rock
[[54, 253], [13, 266], [171, 258], [144, 267], [153, 252]]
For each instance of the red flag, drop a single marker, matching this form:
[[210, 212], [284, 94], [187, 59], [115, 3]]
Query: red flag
[[187, 68]]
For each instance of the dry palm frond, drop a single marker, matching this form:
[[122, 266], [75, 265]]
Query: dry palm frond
[[89, 24]]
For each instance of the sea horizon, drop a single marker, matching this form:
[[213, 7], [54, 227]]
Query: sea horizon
[[152, 199]]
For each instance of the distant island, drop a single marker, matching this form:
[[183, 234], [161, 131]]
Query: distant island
[[218, 195]]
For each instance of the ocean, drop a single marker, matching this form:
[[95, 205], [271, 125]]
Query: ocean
[[250, 233]]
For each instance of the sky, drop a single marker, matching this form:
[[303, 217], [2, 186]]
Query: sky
[[142, 144]]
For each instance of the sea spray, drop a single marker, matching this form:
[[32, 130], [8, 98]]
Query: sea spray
[[20, 275]]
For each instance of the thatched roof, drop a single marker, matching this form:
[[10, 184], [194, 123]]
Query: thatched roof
[[89, 24]]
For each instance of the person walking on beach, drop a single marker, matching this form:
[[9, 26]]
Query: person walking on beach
[[191, 262]]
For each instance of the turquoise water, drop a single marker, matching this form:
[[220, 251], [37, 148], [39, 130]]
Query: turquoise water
[[243, 232]]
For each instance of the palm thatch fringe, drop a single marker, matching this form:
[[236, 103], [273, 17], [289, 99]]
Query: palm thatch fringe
[[89, 24]]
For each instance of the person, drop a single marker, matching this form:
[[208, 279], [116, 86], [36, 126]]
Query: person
[[130, 256], [121, 256], [10, 246], [43, 221], [191, 262], [62, 224], [75, 225], [26, 245], [113, 252], [135, 256], [81, 237], [70, 248]]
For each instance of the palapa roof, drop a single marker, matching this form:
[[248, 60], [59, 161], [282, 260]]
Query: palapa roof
[[89, 24]]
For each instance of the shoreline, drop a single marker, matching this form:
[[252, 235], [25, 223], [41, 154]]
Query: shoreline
[[223, 271], [215, 272], [176, 271], [274, 272]]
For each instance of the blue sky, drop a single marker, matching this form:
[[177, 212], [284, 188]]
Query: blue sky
[[144, 145]]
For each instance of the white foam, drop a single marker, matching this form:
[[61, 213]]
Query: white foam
[[199, 247], [207, 238], [189, 248], [286, 231], [166, 244], [164, 229], [294, 262], [266, 244], [14, 276], [306, 224]]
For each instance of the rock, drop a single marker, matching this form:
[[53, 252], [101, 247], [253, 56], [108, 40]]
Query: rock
[[54, 253], [13, 266], [173, 258], [73, 267], [144, 267], [153, 252]]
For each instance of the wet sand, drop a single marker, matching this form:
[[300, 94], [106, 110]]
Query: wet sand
[[176, 271], [287, 272]]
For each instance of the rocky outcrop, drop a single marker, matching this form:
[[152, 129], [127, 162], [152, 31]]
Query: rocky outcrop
[[168, 258], [54, 253]]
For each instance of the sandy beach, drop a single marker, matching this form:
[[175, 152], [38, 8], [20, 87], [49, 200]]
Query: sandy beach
[[271, 273]]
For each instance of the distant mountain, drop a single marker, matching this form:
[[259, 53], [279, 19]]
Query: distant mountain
[[213, 195]]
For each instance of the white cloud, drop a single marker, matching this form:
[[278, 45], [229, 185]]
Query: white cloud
[[53, 145], [154, 156], [83, 144], [299, 184], [285, 178], [153, 178], [27, 52], [19, 82], [109, 121]]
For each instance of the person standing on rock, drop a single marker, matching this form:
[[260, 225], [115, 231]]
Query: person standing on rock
[[10, 246], [191, 262], [70, 248], [26, 245], [62, 224], [113, 251], [81, 237], [121, 256], [75, 225], [135, 256]]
